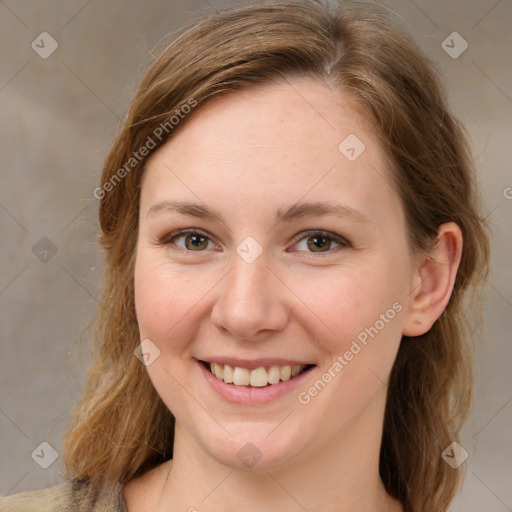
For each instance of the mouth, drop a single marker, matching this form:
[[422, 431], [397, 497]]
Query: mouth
[[263, 376]]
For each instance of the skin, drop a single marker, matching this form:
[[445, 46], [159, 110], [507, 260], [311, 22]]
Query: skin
[[246, 155]]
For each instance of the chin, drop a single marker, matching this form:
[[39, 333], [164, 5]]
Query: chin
[[254, 448]]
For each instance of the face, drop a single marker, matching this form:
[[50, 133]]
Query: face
[[271, 278]]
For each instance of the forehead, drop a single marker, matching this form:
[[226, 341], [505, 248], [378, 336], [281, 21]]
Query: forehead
[[273, 145]]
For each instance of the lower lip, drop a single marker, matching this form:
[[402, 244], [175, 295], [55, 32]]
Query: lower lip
[[253, 395]]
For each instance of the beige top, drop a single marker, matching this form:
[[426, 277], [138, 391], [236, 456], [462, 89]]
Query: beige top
[[71, 496]]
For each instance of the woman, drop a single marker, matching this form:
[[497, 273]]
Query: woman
[[290, 221]]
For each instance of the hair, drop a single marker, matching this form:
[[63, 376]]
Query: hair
[[120, 428]]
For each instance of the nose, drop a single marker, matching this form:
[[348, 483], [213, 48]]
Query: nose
[[252, 301]]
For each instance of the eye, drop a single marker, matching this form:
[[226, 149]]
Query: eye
[[317, 241], [194, 240]]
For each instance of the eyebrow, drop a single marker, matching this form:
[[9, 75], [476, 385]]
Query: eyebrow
[[287, 214]]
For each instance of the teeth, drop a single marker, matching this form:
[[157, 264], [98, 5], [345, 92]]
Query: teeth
[[286, 372], [228, 374], [217, 370], [259, 377], [240, 376], [274, 374]]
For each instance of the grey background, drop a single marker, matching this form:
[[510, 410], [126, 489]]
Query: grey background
[[58, 117]]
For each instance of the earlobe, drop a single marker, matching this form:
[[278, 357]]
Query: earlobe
[[433, 281]]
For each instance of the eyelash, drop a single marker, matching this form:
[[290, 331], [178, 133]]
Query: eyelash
[[333, 237]]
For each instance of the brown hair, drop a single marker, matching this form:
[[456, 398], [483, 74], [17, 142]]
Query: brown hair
[[121, 428]]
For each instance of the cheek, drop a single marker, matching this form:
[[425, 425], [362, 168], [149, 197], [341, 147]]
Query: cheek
[[343, 303], [168, 301], [164, 301], [154, 302]]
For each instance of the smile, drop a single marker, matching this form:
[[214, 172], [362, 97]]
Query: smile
[[256, 382], [256, 377]]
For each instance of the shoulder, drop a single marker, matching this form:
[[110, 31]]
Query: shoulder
[[71, 496], [55, 498]]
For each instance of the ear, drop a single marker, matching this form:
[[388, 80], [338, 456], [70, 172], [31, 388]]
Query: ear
[[433, 280]]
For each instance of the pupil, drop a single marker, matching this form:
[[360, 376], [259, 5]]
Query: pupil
[[196, 238], [315, 244]]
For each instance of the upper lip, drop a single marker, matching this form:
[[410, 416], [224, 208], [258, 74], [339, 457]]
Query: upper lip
[[250, 364]]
